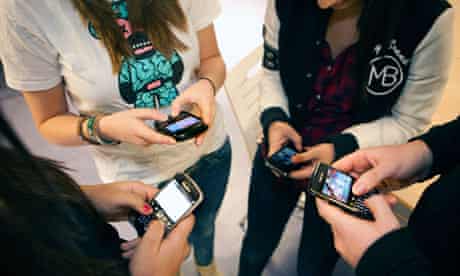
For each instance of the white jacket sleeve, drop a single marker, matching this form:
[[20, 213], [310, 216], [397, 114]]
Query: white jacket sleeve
[[428, 75], [272, 92]]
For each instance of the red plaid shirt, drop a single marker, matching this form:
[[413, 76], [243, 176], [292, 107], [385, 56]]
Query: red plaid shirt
[[329, 109]]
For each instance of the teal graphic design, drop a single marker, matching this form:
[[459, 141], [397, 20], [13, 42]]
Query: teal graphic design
[[148, 79]]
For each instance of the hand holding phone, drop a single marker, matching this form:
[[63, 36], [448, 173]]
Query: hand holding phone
[[182, 127], [281, 163], [177, 199], [335, 187]]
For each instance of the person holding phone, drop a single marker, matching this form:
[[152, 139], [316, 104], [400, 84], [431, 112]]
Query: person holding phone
[[52, 226], [124, 65], [430, 242], [339, 75]]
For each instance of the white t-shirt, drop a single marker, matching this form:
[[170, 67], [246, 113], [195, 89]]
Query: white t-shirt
[[43, 42]]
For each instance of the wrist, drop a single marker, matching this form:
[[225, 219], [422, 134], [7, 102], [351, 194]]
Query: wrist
[[425, 159], [210, 83]]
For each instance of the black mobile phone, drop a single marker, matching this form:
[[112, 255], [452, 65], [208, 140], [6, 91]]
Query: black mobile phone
[[335, 187], [177, 199], [182, 127], [280, 162]]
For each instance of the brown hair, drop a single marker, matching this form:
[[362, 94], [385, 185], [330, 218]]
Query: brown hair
[[154, 17]]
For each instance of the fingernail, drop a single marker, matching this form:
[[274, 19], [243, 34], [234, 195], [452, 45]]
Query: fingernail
[[359, 190], [147, 208]]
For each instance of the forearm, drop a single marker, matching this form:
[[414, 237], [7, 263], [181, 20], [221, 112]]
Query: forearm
[[62, 130], [213, 68]]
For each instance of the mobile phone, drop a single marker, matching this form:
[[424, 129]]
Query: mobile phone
[[335, 187], [280, 162], [177, 199], [182, 127]]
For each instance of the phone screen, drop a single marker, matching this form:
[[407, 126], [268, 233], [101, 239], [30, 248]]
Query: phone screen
[[173, 200], [283, 157], [182, 124], [337, 185]]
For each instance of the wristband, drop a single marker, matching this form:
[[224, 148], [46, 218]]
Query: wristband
[[211, 82], [97, 134], [84, 121]]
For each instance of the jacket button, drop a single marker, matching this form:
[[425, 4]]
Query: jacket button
[[318, 43], [318, 97], [309, 75], [299, 106]]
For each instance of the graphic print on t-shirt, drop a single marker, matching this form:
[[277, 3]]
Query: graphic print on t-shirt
[[147, 79]]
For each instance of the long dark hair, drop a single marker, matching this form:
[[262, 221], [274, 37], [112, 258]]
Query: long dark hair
[[155, 18], [39, 205], [378, 24]]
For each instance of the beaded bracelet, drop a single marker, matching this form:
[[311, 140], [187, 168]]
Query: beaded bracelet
[[83, 121]]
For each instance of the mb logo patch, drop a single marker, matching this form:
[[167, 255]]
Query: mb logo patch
[[386, 70]]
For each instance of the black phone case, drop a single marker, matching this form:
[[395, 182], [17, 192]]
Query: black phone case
[[282, 172], [186, 134]]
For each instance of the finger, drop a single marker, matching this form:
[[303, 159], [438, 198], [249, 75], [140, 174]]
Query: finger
[[333, 215], [391, 199], [305, 157], [177, 105], [295, 138], [154, 137], [379, 208], [274, 147], [147, 192], [153, 237], [356, 162], [181, 232], [207, 112], [200, 139], [303, 173], [129, 245], [368, 181], [137, 203], [148, 114], [128, 254]]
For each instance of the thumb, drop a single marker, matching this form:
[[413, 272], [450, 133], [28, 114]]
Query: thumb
[[177, 104], [295, 138], [368, 181], [379, 207], [153, 236]]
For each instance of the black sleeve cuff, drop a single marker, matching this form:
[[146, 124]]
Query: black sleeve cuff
[[393, 254], [343, 144], [443, 143], [271, 115]]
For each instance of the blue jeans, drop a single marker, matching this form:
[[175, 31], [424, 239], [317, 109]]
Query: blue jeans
[[270, 206], [211, 173]]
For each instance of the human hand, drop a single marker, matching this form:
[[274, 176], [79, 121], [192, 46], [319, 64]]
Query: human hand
[[116, 200], [155, 256], [375, 165], [324, 153], [353, 236], [279, 133], [200, 96], [129, 126]]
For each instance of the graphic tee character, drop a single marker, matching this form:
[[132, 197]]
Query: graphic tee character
[[147, 79]]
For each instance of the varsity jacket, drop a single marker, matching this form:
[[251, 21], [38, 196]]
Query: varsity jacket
[[403, 86]]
